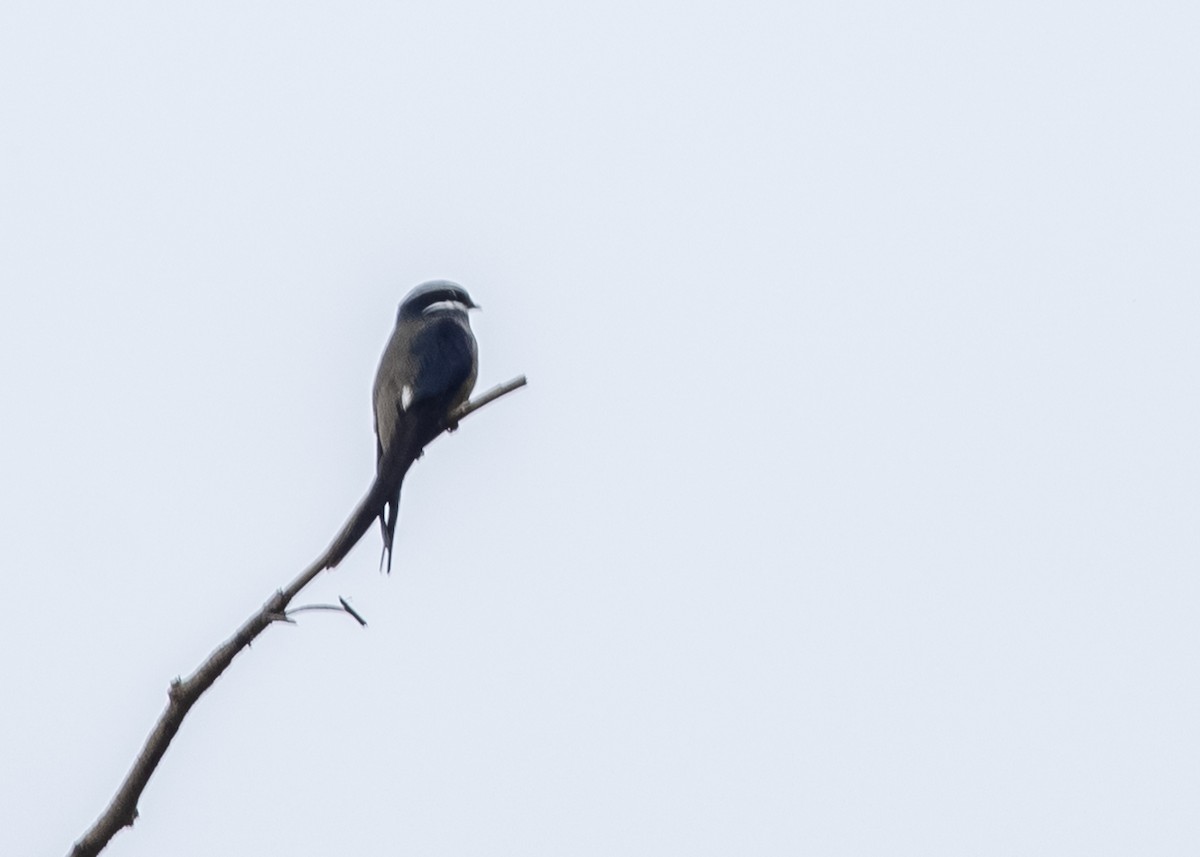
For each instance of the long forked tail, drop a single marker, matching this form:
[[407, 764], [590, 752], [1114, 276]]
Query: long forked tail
[[367, 510], [386, 487], [423, 421], [383, 500], [387, 526]]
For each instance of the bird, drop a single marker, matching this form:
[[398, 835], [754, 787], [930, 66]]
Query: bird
[[428, 370]]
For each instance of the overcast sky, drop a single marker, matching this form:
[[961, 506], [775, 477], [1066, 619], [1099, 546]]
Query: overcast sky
[[852, 505]]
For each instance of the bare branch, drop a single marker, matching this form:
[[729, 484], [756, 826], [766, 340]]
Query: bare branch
[[183, 693], [488, 397]]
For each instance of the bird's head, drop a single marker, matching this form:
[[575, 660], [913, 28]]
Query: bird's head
[[435, 296]]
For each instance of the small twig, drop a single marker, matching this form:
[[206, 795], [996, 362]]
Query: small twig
[[352, 611], [183, 693], [293, 611], [343, 608]]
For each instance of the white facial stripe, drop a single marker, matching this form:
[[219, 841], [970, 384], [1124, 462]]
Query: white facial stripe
[[444, 305]]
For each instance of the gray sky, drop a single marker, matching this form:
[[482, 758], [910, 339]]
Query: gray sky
[[852, 506]]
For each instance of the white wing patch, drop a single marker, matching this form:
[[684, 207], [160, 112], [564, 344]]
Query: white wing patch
[[406, 397]]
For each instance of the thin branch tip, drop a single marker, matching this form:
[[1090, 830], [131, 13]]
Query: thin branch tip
[[357, 617], [487, 398]]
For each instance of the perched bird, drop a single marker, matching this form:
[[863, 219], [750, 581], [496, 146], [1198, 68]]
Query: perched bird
[[428, 369]]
